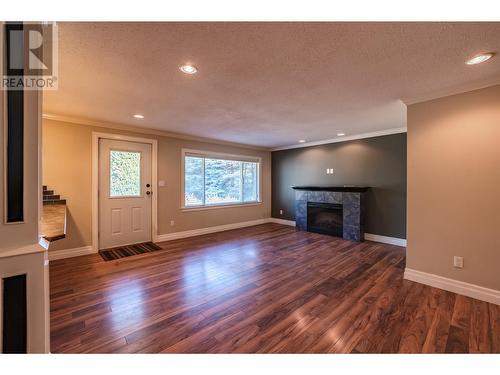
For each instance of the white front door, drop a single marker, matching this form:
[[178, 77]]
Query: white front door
[[124, 193]]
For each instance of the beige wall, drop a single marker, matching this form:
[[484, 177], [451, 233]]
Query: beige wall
[[454, 186], [67, 169]]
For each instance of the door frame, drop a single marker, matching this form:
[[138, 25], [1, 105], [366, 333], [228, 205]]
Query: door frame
[[96, 136]]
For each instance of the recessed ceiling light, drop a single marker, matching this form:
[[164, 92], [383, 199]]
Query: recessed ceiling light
[[139, 116], [340, 134], [302, 141], [479, 58], [188, 69]]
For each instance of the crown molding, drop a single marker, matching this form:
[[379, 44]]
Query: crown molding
[[163, 133], [344, 138], [145, 130], [441, 94]]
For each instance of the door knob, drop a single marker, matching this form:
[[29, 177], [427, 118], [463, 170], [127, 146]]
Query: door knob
[[148, 192]]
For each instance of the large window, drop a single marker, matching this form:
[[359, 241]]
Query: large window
[[211, 180]]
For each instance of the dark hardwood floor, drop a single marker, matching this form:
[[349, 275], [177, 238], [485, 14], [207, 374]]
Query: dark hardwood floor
[[261, 289]]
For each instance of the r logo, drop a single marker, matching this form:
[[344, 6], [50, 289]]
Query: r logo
[[35, 43], [31, 55]]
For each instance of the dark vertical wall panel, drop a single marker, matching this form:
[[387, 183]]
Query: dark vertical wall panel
[[378, 162], [14, 315], [15, 137]]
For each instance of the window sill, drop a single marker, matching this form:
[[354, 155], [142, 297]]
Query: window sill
[[188, 209]]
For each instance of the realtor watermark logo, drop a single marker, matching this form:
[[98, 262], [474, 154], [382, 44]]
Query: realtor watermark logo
[[31, 56]]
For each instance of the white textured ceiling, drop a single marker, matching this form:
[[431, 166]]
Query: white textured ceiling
[[266, 84]]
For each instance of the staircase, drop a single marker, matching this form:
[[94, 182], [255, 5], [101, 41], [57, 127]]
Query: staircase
[[53, 223], [50, 198]]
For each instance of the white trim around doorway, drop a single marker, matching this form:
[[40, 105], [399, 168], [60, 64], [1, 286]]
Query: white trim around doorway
[[95, 182]]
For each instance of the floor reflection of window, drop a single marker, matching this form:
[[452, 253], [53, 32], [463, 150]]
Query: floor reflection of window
[[127, 303], [219, 271]]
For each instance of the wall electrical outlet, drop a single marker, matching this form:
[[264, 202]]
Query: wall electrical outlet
[[458, 262], [172, 223], [329, 170], [281, 212]]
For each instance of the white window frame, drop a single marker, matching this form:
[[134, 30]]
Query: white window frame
[[217, 155]]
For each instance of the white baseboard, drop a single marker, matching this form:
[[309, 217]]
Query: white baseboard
[[214, 229], [70, 253], [455, 286], [384, 239], [282, 221]]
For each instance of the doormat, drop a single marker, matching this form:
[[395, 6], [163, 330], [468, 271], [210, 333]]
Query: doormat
[[127, 251]]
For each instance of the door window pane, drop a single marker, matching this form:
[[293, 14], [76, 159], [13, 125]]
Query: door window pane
[[125, 173], [193, 181]]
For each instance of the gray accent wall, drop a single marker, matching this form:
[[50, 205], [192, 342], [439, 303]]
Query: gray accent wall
[[378, 162]]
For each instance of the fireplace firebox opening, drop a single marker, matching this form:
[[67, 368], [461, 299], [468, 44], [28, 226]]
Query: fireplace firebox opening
[[325, 218]]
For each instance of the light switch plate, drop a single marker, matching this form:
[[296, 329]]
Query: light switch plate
[[458, 262]]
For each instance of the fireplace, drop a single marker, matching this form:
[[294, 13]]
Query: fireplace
[[334, 210], [325, 218]]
